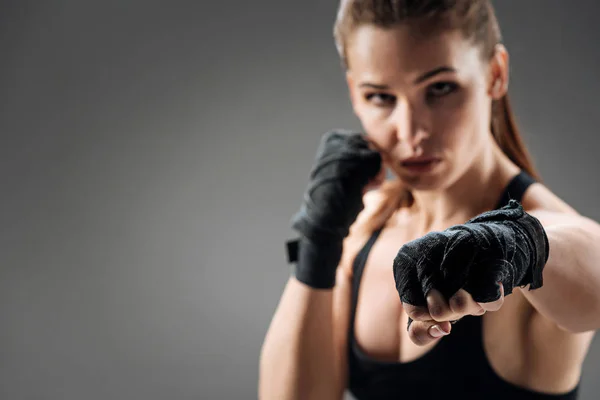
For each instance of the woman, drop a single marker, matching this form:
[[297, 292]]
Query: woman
[[428, 80]]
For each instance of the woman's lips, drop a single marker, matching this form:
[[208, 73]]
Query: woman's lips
[[420, 164]]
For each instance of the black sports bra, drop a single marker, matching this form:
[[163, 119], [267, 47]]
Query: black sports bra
[[456, 368]]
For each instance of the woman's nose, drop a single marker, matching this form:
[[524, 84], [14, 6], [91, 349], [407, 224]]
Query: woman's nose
[[403, 122]]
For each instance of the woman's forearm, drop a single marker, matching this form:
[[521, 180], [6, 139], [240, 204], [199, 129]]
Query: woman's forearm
[[570, 295], [298, 358]]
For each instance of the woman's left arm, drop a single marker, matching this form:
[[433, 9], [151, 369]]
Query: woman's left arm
[[570, 295]]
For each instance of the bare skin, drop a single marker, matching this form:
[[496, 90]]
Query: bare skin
[[446, 115], [523, 347], [432, 97]]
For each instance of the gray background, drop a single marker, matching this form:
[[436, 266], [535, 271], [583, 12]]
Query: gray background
[[151, 157]]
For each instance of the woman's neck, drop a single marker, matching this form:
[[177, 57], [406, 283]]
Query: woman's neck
[[476, 191]]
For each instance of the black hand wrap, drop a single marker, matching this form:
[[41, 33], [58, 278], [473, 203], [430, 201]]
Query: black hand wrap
[[506, 245], [344, 165]]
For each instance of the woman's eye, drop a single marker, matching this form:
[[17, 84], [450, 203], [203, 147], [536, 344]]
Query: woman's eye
[[440, 89], [381, 99]]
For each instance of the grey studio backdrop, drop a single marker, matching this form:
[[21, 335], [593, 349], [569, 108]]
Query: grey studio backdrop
[[153, 152]]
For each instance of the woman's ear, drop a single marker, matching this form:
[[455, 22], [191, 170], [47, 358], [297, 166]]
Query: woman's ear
[[498, 79]]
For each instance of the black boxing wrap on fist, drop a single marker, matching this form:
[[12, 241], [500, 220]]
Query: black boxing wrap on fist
[[505, 245], [344, 165]]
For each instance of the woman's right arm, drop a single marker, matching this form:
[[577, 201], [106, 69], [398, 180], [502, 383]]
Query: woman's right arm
[[303, 355], [304, 352]]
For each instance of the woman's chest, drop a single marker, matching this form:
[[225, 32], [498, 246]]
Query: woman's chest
[[381, 324]]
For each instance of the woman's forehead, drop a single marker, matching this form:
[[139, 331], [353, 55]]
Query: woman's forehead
[[397, 50]]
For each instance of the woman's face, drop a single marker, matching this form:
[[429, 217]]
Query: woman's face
[[424, 102]]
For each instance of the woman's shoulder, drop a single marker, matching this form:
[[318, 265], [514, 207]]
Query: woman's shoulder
[[540, 198]]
